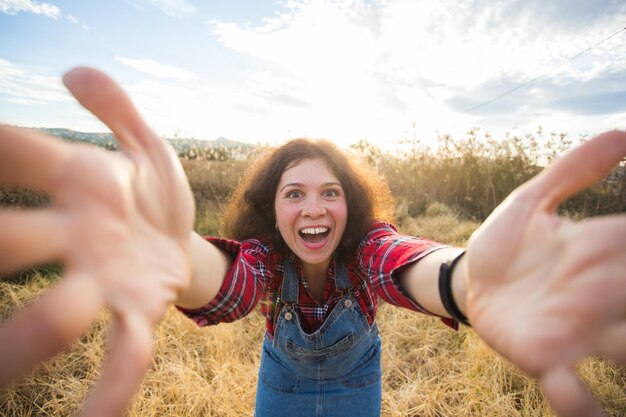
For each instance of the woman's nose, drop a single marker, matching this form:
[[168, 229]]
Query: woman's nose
[[313, 208]]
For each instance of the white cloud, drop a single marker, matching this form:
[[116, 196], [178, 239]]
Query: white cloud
[[27, 85], [377, 70], [447, 42], [339, 57], [205, 111], [175, 8], [362, 64], [73, 19], [161, 71], [12, 7]]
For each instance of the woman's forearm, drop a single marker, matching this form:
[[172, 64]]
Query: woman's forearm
[[421, 281], [209, 267]]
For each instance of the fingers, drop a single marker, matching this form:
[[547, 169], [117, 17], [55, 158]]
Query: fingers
[[31, 159], [579, 169], [106, 100], [49, 325], [596, 251], [568, 395], [29, 238], [130, 353]]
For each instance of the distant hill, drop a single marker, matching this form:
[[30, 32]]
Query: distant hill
[[96, 138], [221, 148]]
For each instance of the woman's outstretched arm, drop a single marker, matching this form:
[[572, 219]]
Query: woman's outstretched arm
[[209, 267], [541, 290], [120, 224]]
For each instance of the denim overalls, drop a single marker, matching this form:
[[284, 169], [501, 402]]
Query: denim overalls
[[334, 371]]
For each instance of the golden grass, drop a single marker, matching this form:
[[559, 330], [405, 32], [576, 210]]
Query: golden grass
[[428, 369]]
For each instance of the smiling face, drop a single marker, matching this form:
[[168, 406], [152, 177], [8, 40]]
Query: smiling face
[[311, 211]]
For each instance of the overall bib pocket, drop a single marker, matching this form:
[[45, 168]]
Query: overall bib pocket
[[300, 354]]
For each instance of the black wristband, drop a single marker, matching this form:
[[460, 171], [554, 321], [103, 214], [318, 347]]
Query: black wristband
[[445, 290]]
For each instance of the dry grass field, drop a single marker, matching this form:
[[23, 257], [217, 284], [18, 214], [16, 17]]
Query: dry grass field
[[428, 369]]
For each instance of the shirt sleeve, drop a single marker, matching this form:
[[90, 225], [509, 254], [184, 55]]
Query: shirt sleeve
[[384, 253], [242, 287]]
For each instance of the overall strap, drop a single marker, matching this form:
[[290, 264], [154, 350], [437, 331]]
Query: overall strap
[[342, 281], [291, 284]]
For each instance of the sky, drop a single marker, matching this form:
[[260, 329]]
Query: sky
[[346, 70]]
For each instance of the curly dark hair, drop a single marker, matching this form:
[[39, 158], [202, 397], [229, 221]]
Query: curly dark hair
[[251, 214]]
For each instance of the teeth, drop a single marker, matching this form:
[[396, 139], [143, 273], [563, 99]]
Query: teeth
[[314, 230]]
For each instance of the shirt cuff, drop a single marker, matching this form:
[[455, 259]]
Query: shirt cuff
[[214, 312]]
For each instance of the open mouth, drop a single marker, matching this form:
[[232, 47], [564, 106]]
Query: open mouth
[[314, 235]]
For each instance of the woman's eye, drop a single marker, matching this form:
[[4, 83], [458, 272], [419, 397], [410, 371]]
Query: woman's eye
[[330, 193], [294, 194]]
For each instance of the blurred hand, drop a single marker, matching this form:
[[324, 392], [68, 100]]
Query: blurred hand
[[545, 292], [120, 223]]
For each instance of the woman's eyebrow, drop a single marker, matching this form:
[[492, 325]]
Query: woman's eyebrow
[[292, 184], [299, 184]]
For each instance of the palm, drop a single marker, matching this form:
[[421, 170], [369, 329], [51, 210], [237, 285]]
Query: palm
[[132, 219], [540, 286], [121, 225]]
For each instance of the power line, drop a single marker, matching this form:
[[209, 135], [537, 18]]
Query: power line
[[506, 93]]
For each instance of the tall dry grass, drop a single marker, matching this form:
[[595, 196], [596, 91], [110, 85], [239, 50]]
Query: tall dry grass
[[428, 369], [475, 172]]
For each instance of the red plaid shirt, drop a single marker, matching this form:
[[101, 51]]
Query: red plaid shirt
[[257, 271]]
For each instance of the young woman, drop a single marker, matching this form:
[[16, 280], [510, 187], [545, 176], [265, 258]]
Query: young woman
[[310, 245]]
